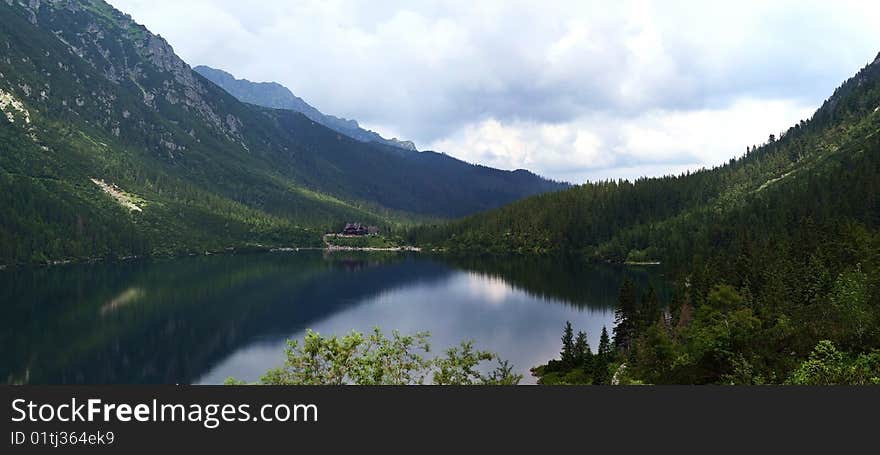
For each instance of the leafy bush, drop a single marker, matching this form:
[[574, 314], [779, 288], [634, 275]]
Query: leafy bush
[[376, 359], [828, 366]]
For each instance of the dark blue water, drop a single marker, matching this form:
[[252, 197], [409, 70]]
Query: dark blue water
[[199, 320]]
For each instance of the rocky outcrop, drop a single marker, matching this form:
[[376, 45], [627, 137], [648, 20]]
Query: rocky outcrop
[[144, 54], [406, 145]]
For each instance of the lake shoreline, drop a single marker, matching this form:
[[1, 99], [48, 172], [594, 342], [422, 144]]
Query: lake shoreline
[[260, 249]]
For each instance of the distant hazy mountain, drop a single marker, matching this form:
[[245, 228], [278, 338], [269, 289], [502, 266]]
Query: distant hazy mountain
[[277, 96], [111, 145]]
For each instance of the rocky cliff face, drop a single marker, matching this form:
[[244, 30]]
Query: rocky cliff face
[[127, 54]]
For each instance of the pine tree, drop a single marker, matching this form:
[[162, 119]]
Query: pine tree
[[602, 359], [568, 353], [604, 343], [649, 310], [626, 315], [581, 349]]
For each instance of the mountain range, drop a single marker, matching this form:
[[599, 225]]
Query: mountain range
[[113, 146], [277, 96]]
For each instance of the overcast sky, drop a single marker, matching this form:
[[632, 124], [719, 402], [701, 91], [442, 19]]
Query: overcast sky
[[573, 90]]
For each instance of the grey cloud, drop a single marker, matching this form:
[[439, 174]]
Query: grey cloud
[[426, 70]]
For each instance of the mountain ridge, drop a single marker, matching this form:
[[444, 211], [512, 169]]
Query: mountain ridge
[[277, 96], [106, 100]]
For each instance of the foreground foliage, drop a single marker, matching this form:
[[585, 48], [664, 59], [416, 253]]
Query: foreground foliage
[[731, 336], [375, 359], [828, 366]]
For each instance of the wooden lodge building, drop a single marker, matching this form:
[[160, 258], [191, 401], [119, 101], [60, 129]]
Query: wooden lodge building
[[359, 229]]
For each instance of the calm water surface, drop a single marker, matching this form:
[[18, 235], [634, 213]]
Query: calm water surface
[[200, 320]]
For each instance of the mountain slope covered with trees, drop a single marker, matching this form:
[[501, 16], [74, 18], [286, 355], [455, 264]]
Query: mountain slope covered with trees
[[90, 96], [776, 254]]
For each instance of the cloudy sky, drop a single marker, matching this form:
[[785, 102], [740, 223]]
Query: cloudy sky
[[573, 90]]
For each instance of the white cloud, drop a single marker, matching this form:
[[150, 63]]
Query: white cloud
[[567, 88], [598, 146]]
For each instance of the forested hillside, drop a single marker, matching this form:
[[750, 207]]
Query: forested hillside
[[773, 253], [659, 218], [90, 96]]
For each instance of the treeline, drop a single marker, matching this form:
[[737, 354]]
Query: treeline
[[658, 218], [726, 335], [577, 364], [775, 256], [723, 334]]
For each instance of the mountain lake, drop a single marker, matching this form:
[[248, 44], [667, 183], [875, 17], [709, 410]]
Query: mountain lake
[[202, 319]]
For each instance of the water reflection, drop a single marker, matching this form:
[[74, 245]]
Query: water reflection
[[202, 319]]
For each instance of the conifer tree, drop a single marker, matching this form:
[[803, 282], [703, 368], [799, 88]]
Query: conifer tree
[[626, 315], [602, 359], [581, 349], [568, 353], [604, 343], [649, 310]]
